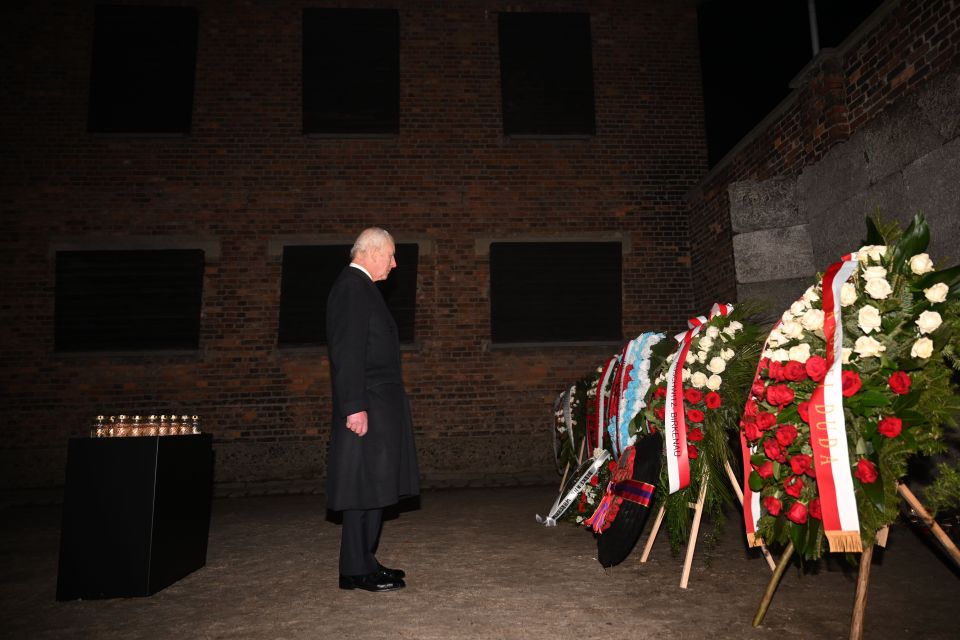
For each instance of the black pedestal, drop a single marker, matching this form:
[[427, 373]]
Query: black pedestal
[[136, 514]]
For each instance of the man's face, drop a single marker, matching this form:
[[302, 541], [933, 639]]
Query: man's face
[[382, 261]]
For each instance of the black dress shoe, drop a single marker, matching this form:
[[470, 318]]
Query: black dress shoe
[[372, 582], [394, 574]]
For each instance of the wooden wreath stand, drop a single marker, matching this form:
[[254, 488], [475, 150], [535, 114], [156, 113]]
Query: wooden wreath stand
[[695, 528], [863, 577]]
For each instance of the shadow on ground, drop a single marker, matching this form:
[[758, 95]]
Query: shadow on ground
[[478, 567]]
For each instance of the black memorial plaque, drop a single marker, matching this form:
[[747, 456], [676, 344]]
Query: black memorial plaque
[[136, 514]]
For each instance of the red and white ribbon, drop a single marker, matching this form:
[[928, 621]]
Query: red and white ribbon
[[828, 434], [601, 415], [675, 423]]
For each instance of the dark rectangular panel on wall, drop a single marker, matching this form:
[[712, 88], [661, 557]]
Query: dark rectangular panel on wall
[[555, 291], [308, 273], [128, 300], [351, 71], [546, 72], [142, 73]]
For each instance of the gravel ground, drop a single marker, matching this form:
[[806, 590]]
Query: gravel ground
[[478, 567]]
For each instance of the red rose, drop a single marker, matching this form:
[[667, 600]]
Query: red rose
[[794, 371], [866, 471], [797, 513], [692, 452], [815, 509], [693, 396], [764, 363], [780, 395], [612, 466], [695, 435], [775, 372], [801, 464], [713, 400], [661, 392], [751, 408], [816, 368], [695, 415], [804, 410], [765, 420], [659, 412], [851, 382], [751, 431], [786, 434], [765, 470], [758, 388], [899, 382], [594, 481], [772, 449], [772, 505], [582, 505], [793, 486], [890, 427]]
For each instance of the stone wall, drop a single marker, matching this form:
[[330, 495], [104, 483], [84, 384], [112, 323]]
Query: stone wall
[[246, 179], [872, 123]]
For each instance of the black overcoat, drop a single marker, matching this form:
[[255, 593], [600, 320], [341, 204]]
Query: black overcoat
[[379, 468]]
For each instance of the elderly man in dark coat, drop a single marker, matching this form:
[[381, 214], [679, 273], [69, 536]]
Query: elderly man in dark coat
[[372, 461]]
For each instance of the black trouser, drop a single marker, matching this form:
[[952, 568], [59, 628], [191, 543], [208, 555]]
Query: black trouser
[[358, 541]]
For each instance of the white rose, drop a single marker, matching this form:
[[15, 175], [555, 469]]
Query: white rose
[[579, 519], [787, 316], [848, 294], [727, 354], [812, 320], [922, 348], [767, 353], [659, 379], [798, 307], [845, 355], [921, 264], [878, 288], [780, 355], [712, 332], [685, 374], [937, 293], [872, 251], [929, 321], [791, 329], [810, 295], [867, 347], [776, 338], [714, 382], [717, 365], [872, 273], [800, 352], [705, 343], [698, 380], [868, 318], [736, 326]]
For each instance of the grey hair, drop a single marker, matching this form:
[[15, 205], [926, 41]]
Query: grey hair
[[371, 238]]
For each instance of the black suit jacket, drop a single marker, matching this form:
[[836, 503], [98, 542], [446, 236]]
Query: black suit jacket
[[379, 468]]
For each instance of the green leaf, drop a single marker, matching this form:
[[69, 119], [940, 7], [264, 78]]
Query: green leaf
[[874, 491], [913, 241], [873, 233], [758, 459], [756, 482], [950, 277], [868, 398]]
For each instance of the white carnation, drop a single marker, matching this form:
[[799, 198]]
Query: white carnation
[[937, 293], [800, 352], [717, 365], [929, 321], [812, 320], [921, 264], [878, 288], [867, 347], [848, 294], [714, 382], [698, 380], [868, 318], [922, 348]]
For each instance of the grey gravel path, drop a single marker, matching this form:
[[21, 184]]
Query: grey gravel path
[[479, 567]]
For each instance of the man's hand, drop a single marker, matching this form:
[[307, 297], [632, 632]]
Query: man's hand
[[357, 422]]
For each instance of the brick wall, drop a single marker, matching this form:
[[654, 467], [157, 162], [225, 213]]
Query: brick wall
[[902, 47], [245, 181]]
